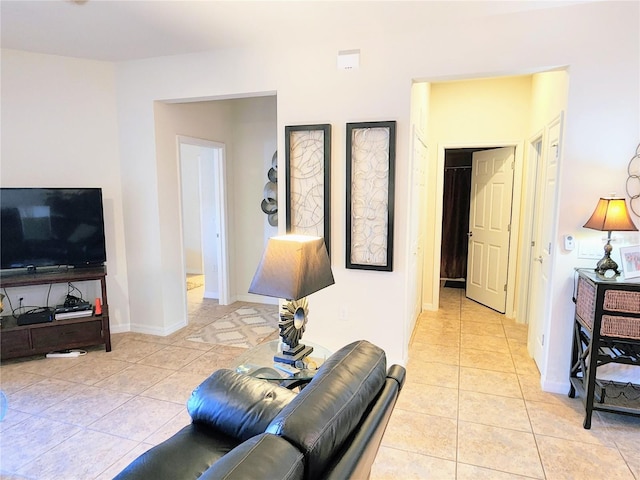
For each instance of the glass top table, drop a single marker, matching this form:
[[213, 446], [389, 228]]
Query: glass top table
[[258, 362]]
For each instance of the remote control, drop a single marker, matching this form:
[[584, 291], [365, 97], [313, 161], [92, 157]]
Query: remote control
[[291, 370]]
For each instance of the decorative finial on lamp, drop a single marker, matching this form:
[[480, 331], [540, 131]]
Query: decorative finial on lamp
[[292, 267], [610, 214]]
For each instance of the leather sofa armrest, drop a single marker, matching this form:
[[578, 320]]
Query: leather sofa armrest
[[398, 373], [322, 416], [262, 456], [237, 405], [359, 452]]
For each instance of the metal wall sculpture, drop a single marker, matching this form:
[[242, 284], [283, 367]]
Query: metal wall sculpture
[[633, 182], [370, 195], [308, 180], [270, 193]]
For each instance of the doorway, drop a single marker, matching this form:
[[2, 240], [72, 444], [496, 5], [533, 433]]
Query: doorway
[[476, 219], [455, 217], [203, 220]]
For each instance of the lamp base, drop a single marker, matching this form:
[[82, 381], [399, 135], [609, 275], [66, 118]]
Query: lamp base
[[290, 357], [606, 263]]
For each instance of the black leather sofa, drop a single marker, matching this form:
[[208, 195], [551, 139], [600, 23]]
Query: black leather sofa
[[247, 428]]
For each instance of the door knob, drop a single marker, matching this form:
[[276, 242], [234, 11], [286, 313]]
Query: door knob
[[539, 259]]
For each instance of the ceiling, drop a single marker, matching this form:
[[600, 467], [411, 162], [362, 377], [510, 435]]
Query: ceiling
[[121, 30]]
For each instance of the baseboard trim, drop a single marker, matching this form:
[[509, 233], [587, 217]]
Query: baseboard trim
[[160, 332], [428, 307], [554, 387]]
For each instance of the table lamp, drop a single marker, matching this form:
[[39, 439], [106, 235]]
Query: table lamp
[[610, 214], [292, 267]]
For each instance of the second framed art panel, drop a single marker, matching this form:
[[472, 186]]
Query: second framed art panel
[[371, 150]]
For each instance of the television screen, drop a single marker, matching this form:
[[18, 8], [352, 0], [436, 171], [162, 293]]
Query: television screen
[[51, 226]]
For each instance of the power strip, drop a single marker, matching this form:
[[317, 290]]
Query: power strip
[[68, 354]]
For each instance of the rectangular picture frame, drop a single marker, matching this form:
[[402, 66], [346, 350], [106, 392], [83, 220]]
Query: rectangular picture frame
[[370, 182], [630, 258], [308, 180]]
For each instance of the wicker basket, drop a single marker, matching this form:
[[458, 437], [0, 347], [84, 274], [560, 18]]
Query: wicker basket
[[620, 327], [622, 301], [586, 302]]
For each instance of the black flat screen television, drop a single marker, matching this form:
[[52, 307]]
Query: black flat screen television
[[44, 227]]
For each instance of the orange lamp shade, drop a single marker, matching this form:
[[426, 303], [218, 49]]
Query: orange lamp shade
[[611, 214]]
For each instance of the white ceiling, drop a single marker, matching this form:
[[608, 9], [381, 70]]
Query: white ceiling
[[120, 30]]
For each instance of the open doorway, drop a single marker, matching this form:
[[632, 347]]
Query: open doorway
[[455, 218], [204, 237], [476, 219]]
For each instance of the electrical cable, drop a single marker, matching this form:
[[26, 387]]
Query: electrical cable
[[48, 293], [575, 283], [72, 300]]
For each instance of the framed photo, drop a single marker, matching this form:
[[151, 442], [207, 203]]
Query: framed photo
[[630, 257], [308, 180], [371, 151]]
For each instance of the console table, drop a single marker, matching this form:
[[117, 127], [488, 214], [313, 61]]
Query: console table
[[606, 330], [22, 341]]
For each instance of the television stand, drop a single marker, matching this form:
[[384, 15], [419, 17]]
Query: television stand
[[21, 341]]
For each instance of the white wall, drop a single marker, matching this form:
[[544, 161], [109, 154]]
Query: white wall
[[597, 41], [602, 110], [59, 129], [254, 142]]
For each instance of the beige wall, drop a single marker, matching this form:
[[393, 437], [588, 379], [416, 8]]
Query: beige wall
[[59, 129]]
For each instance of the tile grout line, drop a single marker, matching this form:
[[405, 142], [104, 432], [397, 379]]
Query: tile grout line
[[526, 408], [459, 374]]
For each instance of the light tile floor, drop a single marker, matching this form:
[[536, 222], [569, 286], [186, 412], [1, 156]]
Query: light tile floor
[[471, 407]]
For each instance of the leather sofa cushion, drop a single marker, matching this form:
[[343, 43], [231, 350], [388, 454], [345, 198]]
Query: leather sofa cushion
[[187, 454], [264, 456], [326, 411], [237, 405]]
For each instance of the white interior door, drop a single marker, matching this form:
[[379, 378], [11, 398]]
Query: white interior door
[[489, 226], [543, 245], [530, 232], [209, 220], [415, 275]]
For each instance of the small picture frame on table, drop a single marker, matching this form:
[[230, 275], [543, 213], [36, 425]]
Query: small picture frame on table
[[630, 257]]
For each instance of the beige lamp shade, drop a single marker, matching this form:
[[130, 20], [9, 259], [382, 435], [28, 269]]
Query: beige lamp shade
[[611, 214], [292, 267]]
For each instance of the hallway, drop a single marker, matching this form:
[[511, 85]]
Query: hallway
[[472, 408]]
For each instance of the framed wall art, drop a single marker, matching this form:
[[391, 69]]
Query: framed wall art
[[308, 180], [371, 150], [630, 257]]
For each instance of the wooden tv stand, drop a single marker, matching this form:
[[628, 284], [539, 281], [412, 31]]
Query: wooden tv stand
[[39, 338]]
